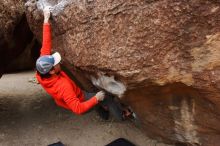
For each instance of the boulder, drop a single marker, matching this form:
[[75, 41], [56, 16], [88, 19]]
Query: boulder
[[15, 33], [26, 59], [161, 57]]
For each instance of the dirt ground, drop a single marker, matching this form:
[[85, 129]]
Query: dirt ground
[[29, 117]]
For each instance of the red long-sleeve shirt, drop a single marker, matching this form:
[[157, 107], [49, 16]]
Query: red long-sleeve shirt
[[64, 91]]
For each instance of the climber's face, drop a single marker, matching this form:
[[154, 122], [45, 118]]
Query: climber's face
[[57, 68]]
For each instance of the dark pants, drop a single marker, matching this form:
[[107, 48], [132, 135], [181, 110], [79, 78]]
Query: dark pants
[[109, 102]]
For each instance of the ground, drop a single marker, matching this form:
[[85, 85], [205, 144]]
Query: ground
[[29, 117]]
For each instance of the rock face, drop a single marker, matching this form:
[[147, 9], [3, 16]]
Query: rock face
[[165, 53], [26, 60], [15, 33]]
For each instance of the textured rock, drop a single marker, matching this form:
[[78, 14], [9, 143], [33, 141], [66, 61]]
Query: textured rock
[[14, 31], [166, 54], [26, 60]]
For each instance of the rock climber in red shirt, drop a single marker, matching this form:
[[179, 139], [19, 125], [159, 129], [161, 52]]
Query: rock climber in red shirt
[[56, 82]]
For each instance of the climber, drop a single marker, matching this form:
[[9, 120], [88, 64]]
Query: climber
[[63, 90]]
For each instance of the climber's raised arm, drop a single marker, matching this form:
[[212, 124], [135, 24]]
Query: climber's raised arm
[[46, 43]]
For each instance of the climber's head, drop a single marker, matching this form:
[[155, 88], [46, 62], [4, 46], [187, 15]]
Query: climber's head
[[48, 64]]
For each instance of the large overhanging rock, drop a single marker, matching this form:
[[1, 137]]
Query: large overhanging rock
[[15, 34], [164, 53]]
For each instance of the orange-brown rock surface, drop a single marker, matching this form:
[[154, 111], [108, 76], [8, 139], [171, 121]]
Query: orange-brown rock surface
[[165, 54], [15, 34]]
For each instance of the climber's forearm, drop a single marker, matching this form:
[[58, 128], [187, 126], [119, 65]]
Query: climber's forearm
[[46, 43], [47, 14]]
